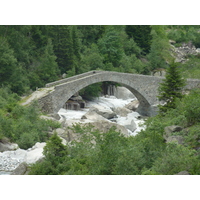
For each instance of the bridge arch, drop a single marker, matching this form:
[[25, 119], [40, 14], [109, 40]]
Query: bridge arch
[[66, 90], [144, 87]]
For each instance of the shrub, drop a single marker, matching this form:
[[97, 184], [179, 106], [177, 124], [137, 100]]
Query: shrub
[[174, 159]]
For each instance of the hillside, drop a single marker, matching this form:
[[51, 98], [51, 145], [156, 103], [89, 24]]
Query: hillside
[[33, 55]]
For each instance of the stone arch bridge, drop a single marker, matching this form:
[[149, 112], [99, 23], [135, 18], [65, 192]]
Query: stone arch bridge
[[144, 87]]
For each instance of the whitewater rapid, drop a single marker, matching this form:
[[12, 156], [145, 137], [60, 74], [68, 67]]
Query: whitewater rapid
[[108, 102], [11, 159]]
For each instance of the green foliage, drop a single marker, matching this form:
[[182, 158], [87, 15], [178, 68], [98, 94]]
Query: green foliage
[[190, 107], [110, 47], [174, 159], [21, 124], [191, 68], [55, 153], [91, 59], [171, 88], [54, 149], [48, 69], [141, 35], [91, 91], [90, 34], [159, 55], [185, 34], [8, 62], [192, 136]]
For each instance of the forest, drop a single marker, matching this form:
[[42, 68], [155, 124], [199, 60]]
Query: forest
[[33, 55]]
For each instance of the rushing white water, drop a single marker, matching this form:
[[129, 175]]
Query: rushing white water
[[108, 102]]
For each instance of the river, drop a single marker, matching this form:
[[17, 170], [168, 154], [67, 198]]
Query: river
[[108, 102]]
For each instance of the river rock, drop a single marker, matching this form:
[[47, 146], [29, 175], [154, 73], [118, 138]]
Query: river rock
[[92, 115], [105, 126], [123, 112], [8, 146], [133, 105], [129, 124], [47, 118], [20, 170], [104, 112]]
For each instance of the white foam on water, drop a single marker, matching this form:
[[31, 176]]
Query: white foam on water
[[107, 102]]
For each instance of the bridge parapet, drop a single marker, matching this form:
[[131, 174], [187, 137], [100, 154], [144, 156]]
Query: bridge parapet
[[65, 80], [144, 87]]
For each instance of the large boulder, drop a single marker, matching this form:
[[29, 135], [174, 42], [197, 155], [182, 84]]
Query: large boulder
[[105, 126], [133, 105], [93, 116], [20, 170], [104, 112], [8, 146], [128, 123], [123, 112]]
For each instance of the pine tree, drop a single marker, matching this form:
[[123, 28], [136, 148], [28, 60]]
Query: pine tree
[[63, 46], [48, 69], [141, 35], [8, 62], [159, 55], [171, 88]]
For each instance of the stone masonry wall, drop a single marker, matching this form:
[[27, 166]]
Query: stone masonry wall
[[145, 88]]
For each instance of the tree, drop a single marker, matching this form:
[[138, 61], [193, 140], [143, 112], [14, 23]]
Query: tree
[[159, 55], [63, 46], [48, 69], [171, 88], [8, 62], [141, 35], [110, 47]]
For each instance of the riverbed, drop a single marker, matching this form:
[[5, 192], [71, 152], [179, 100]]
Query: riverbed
[[108, 102]]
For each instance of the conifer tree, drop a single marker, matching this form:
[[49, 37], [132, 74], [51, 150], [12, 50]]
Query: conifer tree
[[171, 88], [141, 35], [63, 46]]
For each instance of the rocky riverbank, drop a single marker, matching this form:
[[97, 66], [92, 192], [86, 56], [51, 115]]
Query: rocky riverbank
[[102, 113]]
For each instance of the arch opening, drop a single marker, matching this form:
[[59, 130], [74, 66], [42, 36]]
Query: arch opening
[[144, 107]]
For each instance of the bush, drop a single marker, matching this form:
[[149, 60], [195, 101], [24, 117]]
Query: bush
[[190, 107], [174, 159]]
